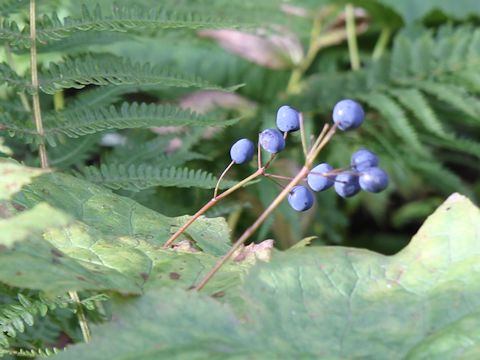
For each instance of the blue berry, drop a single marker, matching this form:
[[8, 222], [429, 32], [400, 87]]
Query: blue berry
[[363, 159], [288, 119], [242, 151], [373, 180], [346, 184], [272, 140], [318, 182], [300, 198], [348, 114]]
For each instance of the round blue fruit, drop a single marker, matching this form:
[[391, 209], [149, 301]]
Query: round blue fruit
[[348, 114], [346, 184], [272, 140], [373, 180], [288, 119], [319, 182], [363, 159], [242, 151], [300, 198]]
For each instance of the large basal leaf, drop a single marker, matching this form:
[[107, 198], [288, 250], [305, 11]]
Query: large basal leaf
[[115, 244], [324, 302]]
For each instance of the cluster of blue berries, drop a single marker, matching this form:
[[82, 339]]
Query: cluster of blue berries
[[363, 174]]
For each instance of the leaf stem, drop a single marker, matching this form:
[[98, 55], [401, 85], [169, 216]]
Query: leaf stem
[[37, 115], [313, 48], [352, 37], [59, 101], [82, 320], [221, 177], [382, 43], [302, 136]]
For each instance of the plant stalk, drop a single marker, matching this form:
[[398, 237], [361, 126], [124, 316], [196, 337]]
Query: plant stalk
[[382, 43], [82, 320], [352, 37], [37, 115]]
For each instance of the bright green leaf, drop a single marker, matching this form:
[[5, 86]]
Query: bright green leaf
[[319, 302]]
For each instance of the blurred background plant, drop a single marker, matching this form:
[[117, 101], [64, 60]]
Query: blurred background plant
[[414, 65]]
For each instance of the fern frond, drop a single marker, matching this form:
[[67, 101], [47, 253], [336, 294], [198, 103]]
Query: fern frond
[[414, 100], [157, 151], [14, 317], [120, 19], [464, 145], [127, 116], [30, 353], [9, 7], [125, 18], [10, 33], [11, 78], [139, 177], [73, 151], [395, 116], [105, 70], [445, 180], [454, 95], [423, 76]]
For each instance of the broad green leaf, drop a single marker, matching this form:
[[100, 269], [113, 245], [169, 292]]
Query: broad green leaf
[[460, 340], [165, 324], [30, 223], [319, 302], [115, 244], [120, 216], [13, 176]]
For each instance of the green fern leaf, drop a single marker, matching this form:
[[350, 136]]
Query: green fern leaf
[[11, 78], [125, 18], [454, 95], [395, 116], [9, 7], [413, 100], [127, 116], [11, 34], [451, 142], [445, 179], [105, 70], [401, 58], [73, 152], [139, 177]]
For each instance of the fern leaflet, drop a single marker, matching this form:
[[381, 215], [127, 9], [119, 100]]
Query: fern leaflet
[[139, 177], [105, 70]]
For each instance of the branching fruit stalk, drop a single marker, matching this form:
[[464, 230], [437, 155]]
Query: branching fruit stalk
[[322, 140], [211, 203]]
